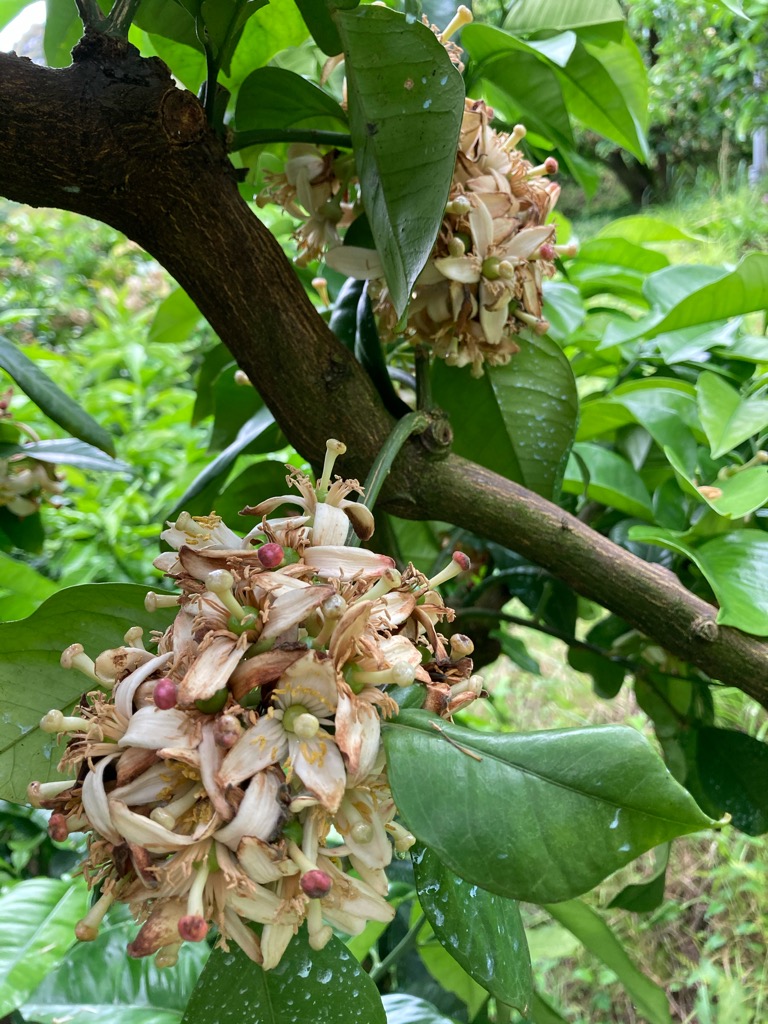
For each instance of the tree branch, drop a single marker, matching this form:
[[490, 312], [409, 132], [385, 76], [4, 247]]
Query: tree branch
[[111, 137]]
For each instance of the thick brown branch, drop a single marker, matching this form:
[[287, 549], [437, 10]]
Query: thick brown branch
[[111, 137]]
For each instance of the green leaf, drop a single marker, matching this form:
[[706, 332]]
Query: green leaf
[[518, 420], [26, 534], [407, 1009], [97, 981], [66, 451], [642, 897], [270, 30], [640, 229], [482, 932], [22, 588], [611, 480], [730, 769], [276, 98], [9, 9], [587, 925], [96, 615], [63, 29], [555, 15], [51, 400], [744, 492], [368, 352], [683, 296], [317, 15], [175, 319], [307, 986], [170, 20], [37, 927], [405, 109], [564, 310], [607, 675], [543, 1013], [257, 482], [727, 418], [224, 22], [735, 566], [545, 816]]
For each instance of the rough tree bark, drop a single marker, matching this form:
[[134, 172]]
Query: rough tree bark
[[113, 138]]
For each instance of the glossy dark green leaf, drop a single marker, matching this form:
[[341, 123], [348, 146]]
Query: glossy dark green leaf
[[307, 986], [224, 21], [234, 404], [67, 451], [37, 927], [642, 897], [543, 816], [343, 320], [518, 419], [97, 981], [275, 98], [564, 310], [449, 975], [214, 361], [200, 497], [607, 675], [369, 353], [257, 482], [26, 534], [171, 20], [480, 930], [318, 16], [731, 769], [405, 109], [51, 400], [589, 927], [175, 319], [407, 1009], [96, 615], [273, 28]]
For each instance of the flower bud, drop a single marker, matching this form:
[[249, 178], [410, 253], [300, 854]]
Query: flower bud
[[270, 555], [316, 884], [193, 928], [165, 694]]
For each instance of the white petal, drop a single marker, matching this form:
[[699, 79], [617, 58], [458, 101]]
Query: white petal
[[145, 832], [293, 606], [378, 852], [493, 322], [526, 242], [353, 896], [319, 765], [126, 688], [263, 906], [246, 939], [211, 670], [481, 227], [95, 802], [465, 269], [263, 744], [274, 941], [148, 787], [330, 525], [353, 261], [259, 813], [153, 728], [338, 561], [211, 757]]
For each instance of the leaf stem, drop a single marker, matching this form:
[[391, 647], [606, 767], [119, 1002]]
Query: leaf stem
[[90, 13], [412, 423], [121, 17], [423, 367], [257, 136], [406, 943]]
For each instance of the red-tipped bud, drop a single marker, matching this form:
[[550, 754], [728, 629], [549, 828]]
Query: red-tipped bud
[[193, 928], [551, 165], [57, 827], [461, 560], [165, 694], [227, 731], [547, 251], [270, 555], [316, 884]]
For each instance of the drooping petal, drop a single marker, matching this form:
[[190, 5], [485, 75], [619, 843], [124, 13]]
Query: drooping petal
[[153, 729], [263, 906], [95, 803], [319, 765], [264, 862], [353, 896], [263, 744], [481, 228], [274, 942], [465, 269], [335, 561], [358, 806], [147, 788], [354, 261], [264, 668], [526, 242], [358, 734], [260, 811], [136, 828], [211, 757], [211, 669], [291, 607], [160, 929], [246, 939], [361, 518], [493, 322]]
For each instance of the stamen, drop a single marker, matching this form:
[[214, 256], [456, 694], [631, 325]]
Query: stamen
[[404, 840], [550, 166], [461, 646], [462, 17], [168, 816], [333, 449], [75, 657], [221, 582], [55, 722], [87, 929], [187, 525], [459, 563], [154, 601]]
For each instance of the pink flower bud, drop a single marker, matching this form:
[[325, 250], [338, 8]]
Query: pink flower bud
[[193, 928], [547, 251], [57, 827], [316, 884], [165, 694], [270, 555], [551, 165]]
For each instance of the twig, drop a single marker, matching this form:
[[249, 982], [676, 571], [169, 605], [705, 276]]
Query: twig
[[121, 17], [407, 941]]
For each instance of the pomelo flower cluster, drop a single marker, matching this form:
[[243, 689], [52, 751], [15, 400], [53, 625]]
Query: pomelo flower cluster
[[482, 284], [25, 482], [237, 775]]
